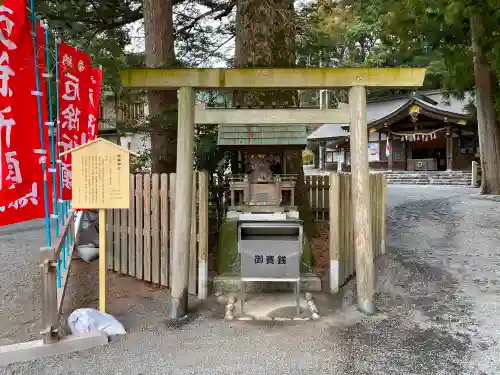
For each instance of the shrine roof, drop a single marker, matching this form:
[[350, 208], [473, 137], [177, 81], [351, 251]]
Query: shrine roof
[[383, 111], [328, 131], [259, 135]]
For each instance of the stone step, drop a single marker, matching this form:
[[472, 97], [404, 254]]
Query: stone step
[[457, 178], [429, 176], [421, 182], [429, 181]]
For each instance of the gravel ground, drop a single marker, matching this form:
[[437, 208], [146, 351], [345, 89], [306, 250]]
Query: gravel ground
[[438, 300], [19, 281]]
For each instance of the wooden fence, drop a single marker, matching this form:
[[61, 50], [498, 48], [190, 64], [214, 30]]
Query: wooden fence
[[342, 250], [139, 239], [318, 188]]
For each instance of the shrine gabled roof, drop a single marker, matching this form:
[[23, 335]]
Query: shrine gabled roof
[[262, 135], [329, 131], [390, 110]]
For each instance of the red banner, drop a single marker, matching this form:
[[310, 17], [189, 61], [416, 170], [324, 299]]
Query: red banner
[[74, 85], [94, 101], [21, 176]]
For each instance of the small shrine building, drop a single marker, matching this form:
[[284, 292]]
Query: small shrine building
[[263, 177], [420, 132]]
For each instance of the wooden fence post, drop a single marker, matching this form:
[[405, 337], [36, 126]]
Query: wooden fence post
[[184, 184], [334, 198], [155, 228], [171, 194], [383, 228], [193, 256], [203, 236], [50, 317], [474, 174], [102, 262], [365, 268], [165, 222], [131, 228]]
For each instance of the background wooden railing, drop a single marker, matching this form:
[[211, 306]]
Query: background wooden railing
[[55, 268], [318, 188]]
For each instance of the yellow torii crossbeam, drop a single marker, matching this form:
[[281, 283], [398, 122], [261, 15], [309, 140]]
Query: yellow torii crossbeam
[[188, 80], [273, 78]]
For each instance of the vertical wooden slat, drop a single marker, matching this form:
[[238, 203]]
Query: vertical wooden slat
[[327, 195], [377, 215], [380, 214], [109, 237], [124, 241], [352, 215], [341, 225], [383, 229], [203, 235], [155, 228], [319, 197], [164, 220], [315, 180], [131, 228], [171, 194], [103, 272], [334, 234], [376, 208], [309, 190], [147, 227], [139, 234], [193, 256], [117, 237], [373, 210], [353, 239], [344, 225], [348, 208]]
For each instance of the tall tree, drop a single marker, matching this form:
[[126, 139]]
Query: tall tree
[[488, 125], [159, 38], [464, 35], [265, 37], [100, 27]]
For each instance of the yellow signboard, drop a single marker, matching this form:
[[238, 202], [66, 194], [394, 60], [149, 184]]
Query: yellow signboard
[[100, 171], [101, 176]]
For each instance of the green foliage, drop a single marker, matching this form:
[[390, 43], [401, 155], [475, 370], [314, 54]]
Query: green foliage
[[442, 27], [101, 28]]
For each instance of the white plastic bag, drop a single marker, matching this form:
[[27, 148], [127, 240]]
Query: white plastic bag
[[88, 252], [91, 320]]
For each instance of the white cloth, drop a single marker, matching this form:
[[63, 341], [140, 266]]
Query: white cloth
[[91, 320]]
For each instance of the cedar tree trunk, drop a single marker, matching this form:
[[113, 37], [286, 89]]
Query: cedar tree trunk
[[159, 38]]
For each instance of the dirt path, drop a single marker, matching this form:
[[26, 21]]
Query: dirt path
[[438, 300]]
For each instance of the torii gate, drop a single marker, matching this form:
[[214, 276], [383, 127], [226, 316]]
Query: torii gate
[[187, 81]]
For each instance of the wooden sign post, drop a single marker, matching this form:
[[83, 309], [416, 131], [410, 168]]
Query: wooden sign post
[[101, 180]]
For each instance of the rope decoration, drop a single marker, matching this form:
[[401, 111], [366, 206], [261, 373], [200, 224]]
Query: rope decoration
[[412, 137]]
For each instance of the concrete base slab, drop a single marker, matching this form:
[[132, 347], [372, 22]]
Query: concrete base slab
[[31, 350], [272, 306], [231, 283]]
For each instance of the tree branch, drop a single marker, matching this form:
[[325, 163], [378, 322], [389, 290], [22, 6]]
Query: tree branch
[[97, 20], [217, 48], [223, 9]]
